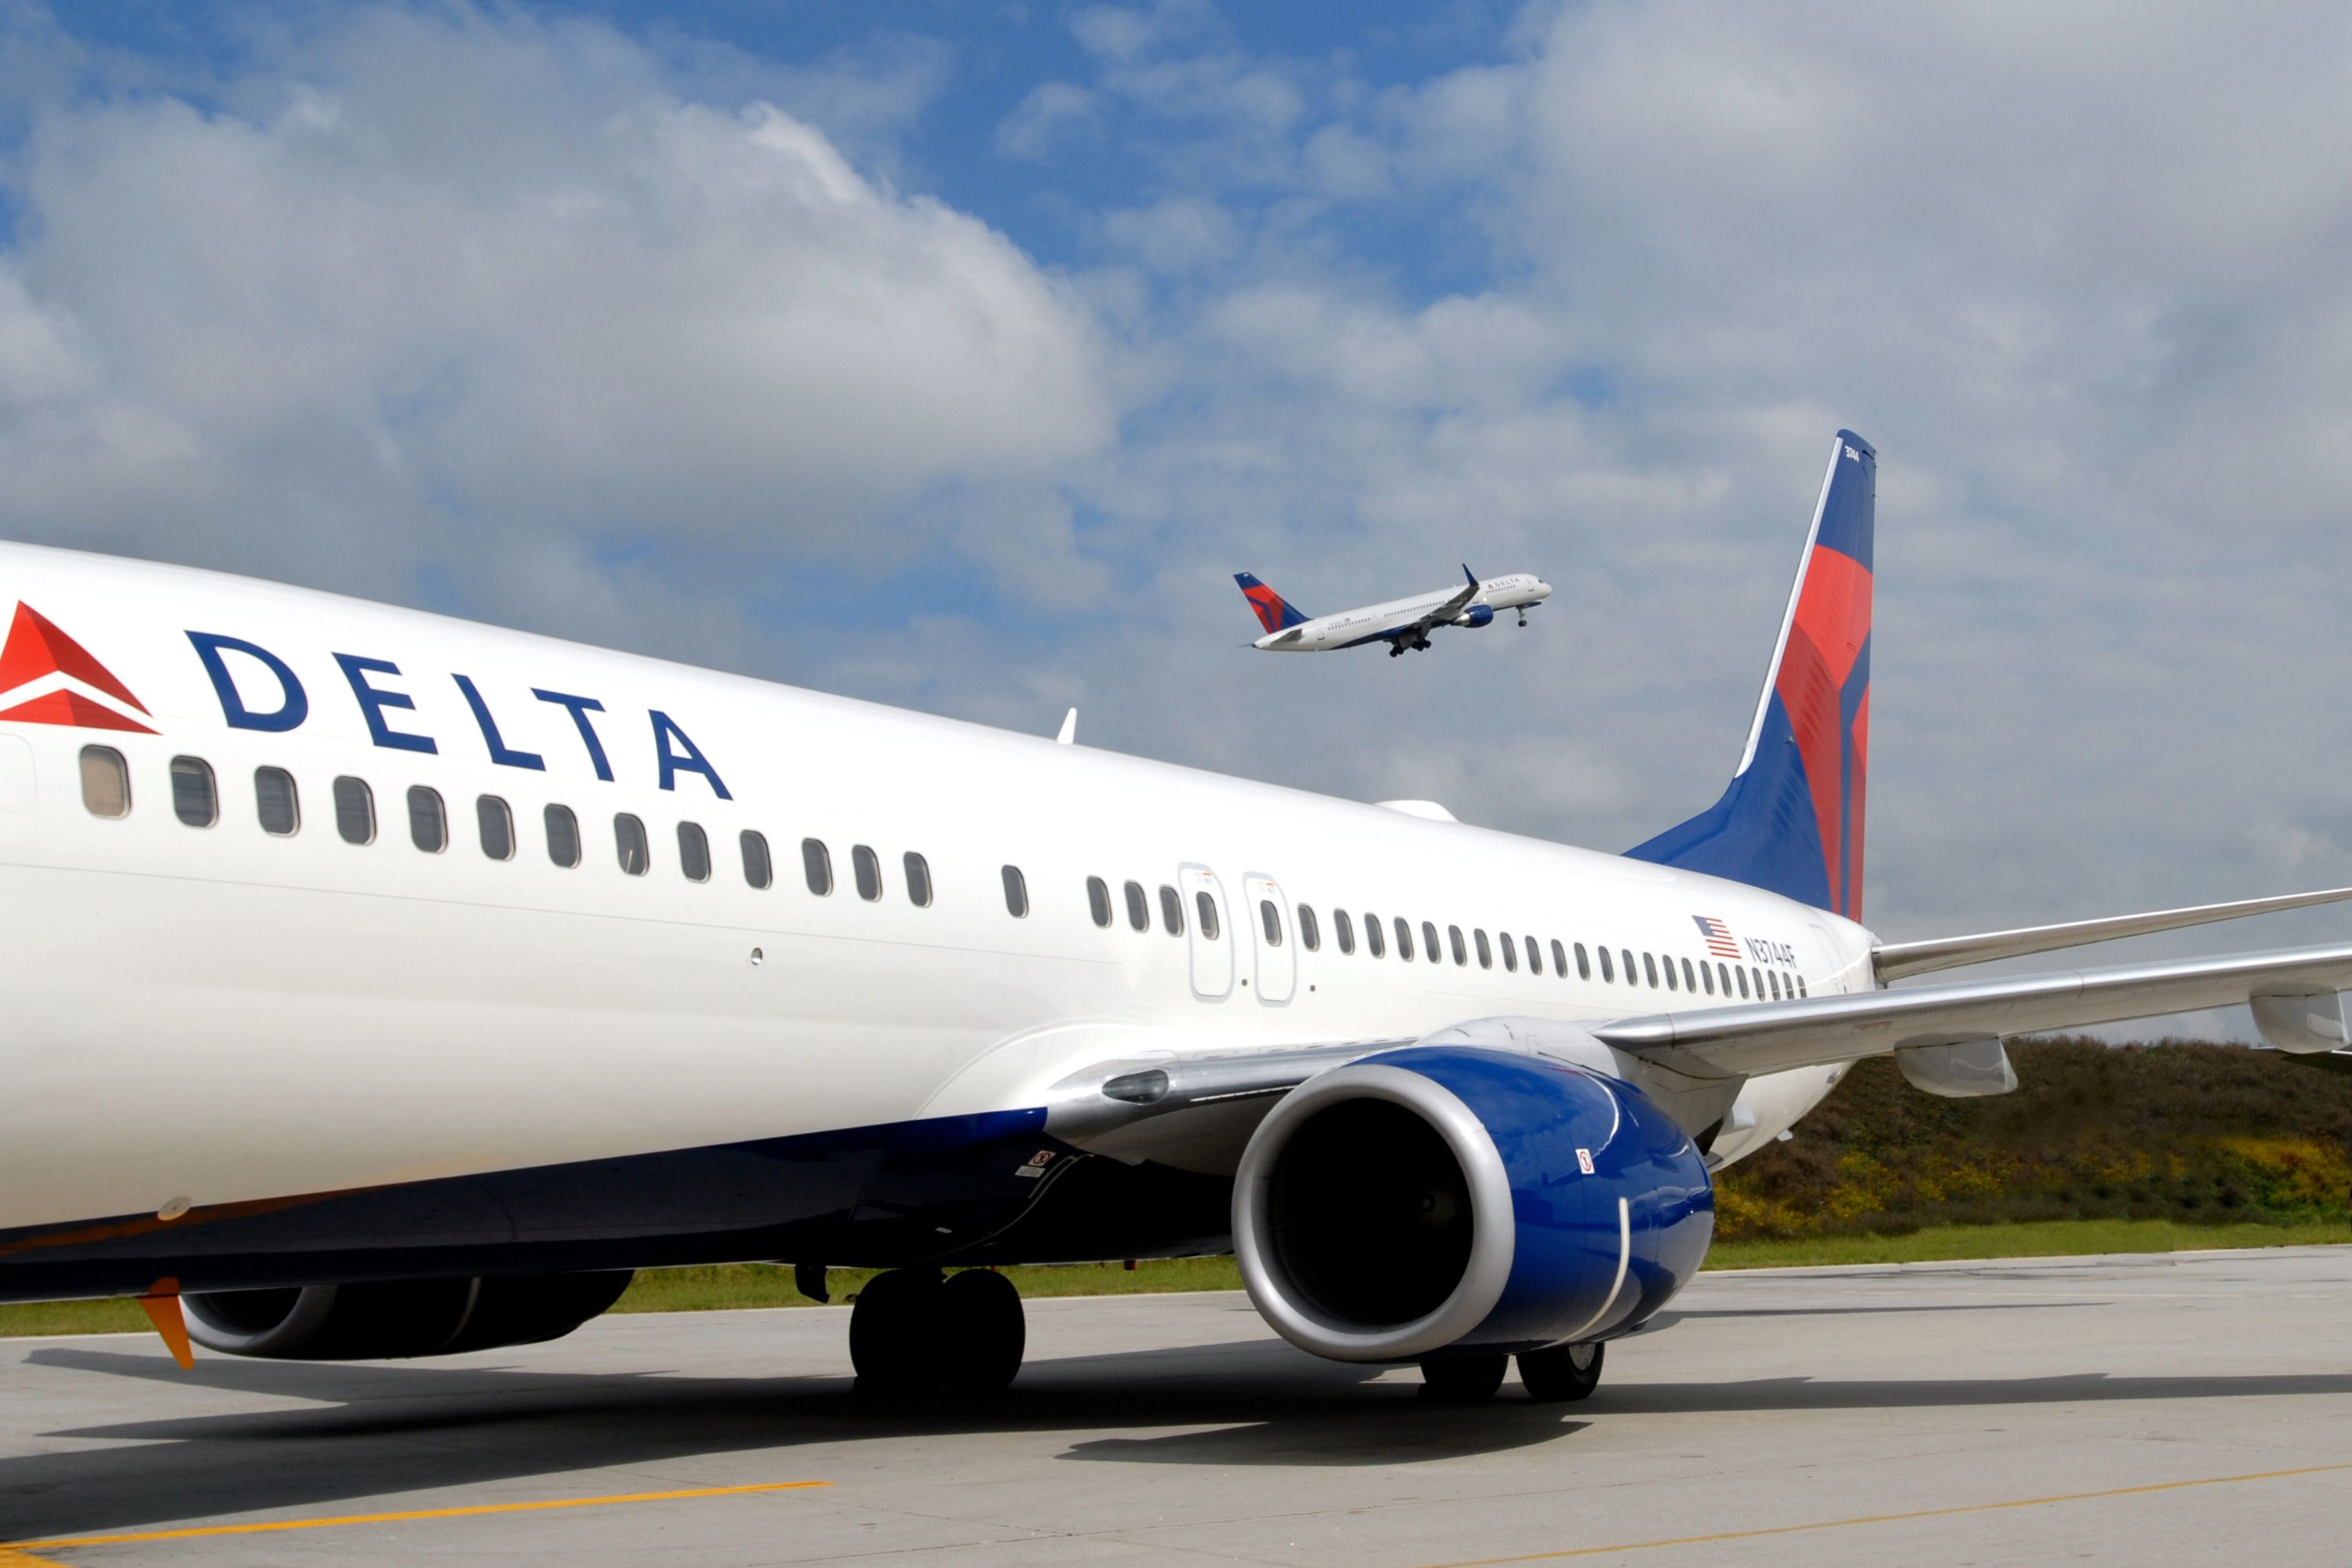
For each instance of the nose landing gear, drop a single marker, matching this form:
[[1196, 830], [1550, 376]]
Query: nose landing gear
[[913, 1333]]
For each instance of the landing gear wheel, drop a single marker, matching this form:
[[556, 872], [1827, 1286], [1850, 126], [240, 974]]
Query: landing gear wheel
[[893, 1341], [1562, 1373], [1396, 650], [982, 1332], [1463, 1379]]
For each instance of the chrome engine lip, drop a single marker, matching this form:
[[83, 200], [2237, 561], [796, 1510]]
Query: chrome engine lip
[[312, 1305], [1494, 1239]]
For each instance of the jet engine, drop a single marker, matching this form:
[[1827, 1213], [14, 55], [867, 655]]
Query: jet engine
[[1476, 615], [1440, 1198], [398, 1318]]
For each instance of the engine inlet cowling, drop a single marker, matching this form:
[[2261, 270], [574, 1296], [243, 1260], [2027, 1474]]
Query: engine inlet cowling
[[1442, 1198], [386, 1320]]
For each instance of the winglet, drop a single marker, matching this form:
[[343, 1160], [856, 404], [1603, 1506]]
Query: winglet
[[1468, 573], [162, 1303]]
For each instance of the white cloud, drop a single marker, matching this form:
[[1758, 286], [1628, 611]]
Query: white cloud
[[473, 280]]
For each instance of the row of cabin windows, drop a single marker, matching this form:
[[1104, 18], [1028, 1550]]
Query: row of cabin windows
[[1139, 906], [1679, 974], [196, 800]]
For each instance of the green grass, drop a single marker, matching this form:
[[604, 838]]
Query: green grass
[[2035, 1239], [769, 1285]]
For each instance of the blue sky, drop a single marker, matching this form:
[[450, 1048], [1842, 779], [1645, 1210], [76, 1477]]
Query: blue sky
[[956, 355]]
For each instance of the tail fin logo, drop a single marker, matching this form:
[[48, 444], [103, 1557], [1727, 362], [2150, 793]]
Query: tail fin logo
[[1274, 612], [46, 677]]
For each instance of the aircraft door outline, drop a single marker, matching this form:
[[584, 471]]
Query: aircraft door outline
[[1277, 953], [1213, 956]]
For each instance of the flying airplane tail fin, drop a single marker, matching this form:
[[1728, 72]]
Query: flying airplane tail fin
[[1274, 612], [1791, 821]]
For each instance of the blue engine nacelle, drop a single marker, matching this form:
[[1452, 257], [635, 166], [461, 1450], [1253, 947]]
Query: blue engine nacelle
[[1442, 1198], [1476, 615]]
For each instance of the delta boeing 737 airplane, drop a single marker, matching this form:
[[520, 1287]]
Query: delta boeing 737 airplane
[[1402, 623], [381, 985]]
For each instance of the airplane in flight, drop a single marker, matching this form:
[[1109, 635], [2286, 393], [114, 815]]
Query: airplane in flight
[[1402, 623], [384, 985]]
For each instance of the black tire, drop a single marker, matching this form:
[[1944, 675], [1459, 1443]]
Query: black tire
[[982, 1333], [893, 1341], [1463, 1379], [1562, 1373]]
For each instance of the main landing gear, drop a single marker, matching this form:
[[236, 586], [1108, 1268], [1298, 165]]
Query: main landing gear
[[1556, 1375], [913, 1333], [1398, 645]]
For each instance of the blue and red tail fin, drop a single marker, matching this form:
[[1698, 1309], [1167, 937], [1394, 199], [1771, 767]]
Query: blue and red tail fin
[[1791, 821], [1274, 612]]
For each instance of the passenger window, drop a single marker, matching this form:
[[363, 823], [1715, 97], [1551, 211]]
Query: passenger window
[[1669, 962], [1344, 929], [816, 866], [1310, 936], [105, 782], [496, 824], [354, 811], [1270, 919], [758, 870], [1486, 953], [1800, 985], [1510, 953], [1099, 900], [1171, 911], [1139, 907], [918, 881], [1583, 963], [865, 869], [693, 851], [1706, 974], [1207, 908], [1606, 973], [562, 835], [1723, 974], [1429, 949], [274, 801], [1649, 968], [1460, 954], [428, 825], [193, 800], [1372, 940], [1741, 976], [1404, 939], [1626, 957], [1017, 892], [1690, 982], [1535, 955], [629, 844]]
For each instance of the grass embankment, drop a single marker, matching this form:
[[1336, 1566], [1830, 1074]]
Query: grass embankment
[[2164, 1148]]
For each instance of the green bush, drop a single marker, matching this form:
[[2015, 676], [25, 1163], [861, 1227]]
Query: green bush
[[2181, 1131]]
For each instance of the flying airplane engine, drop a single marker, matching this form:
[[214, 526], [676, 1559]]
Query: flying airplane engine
[[1437, 1204], [1476, 615], [387, 1320]]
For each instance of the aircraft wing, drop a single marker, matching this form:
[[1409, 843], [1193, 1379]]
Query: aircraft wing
[[1447, 610], [2291, 990], [1893, 960]]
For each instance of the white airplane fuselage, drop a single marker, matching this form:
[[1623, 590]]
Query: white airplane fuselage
[[1517, 592], [211, 1016]]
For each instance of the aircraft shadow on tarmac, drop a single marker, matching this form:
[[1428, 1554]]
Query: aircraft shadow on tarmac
[[1260, 1402]]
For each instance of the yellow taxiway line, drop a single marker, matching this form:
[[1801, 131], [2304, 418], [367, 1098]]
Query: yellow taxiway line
[[1893, 1518], [20, 1551]]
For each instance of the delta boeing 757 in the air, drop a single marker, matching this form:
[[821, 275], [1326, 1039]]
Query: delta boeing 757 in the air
[[381, 985], [1402, 623]]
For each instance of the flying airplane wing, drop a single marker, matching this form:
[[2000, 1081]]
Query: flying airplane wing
[[1447, 610], [2290, 991]]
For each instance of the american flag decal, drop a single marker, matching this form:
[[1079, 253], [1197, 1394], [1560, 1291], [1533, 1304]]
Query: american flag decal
[[1717, 934]]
